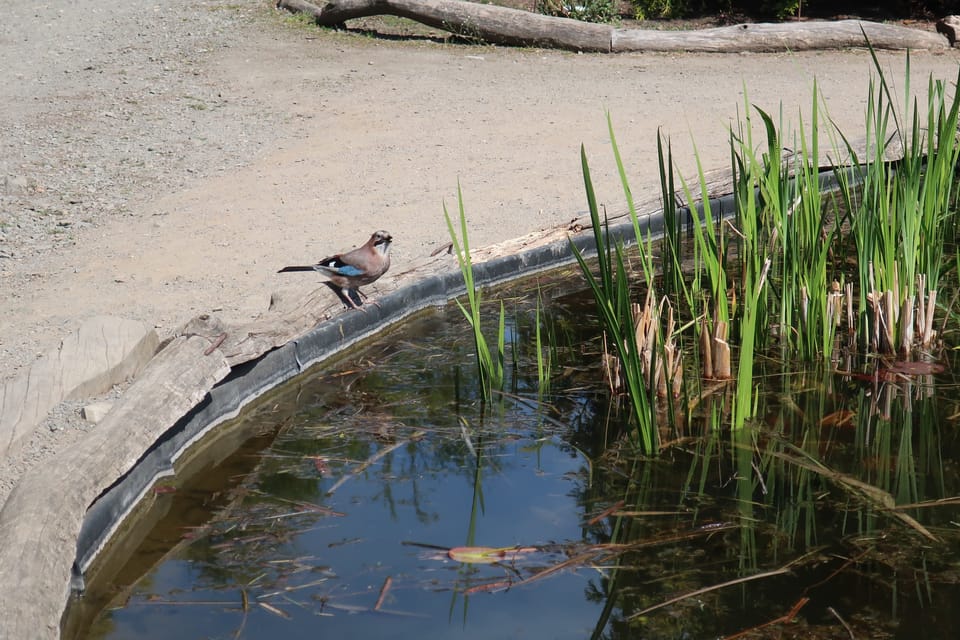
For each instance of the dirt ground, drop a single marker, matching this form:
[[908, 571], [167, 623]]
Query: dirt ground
[[164, 159]]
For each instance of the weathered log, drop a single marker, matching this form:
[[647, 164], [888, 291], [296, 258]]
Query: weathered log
[[292, 313], [103, 352], [41, 519], [791, 36], [502, 25], [489, 23]]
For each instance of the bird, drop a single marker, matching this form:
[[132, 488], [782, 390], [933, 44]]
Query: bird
[[353, 269]]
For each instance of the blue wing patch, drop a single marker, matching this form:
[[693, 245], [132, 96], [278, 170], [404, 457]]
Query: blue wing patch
[[349, 270]]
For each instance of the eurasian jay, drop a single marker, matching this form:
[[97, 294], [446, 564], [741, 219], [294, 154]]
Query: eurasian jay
[[350, 270]]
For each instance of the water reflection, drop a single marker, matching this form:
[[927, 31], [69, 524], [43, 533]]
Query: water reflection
[[383, 466]]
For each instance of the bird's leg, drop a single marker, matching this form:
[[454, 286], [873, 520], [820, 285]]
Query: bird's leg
[[355, 296], [345, 296], [372, 301]]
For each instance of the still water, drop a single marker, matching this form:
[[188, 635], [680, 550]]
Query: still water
[[360, 499]]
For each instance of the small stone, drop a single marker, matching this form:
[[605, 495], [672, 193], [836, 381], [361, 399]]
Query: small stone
[[95, 412]]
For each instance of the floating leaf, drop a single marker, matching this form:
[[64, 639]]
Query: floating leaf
[[487, 555]]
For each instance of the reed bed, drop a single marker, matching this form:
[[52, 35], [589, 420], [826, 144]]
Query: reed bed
[[797, 274]]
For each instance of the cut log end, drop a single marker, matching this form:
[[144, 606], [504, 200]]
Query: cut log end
[[949, 27]]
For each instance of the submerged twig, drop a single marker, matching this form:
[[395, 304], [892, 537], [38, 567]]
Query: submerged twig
[[374, 458], [573, 561], [606, 512], [274, 610], [929, 503], [353, 608], [466, 437], [846, 563], [787, 617], [387, 583], [722, 585], [836, 615]]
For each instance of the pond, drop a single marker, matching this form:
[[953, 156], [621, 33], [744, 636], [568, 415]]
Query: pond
[[378, 497]]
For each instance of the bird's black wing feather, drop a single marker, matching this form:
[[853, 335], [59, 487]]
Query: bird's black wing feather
[[297, 268]]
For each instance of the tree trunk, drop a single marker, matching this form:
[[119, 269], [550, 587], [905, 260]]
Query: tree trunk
[[501, 25]]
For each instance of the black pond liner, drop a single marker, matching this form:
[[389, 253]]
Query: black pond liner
[[247, 381]]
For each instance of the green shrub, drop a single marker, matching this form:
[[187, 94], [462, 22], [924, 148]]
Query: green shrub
[[756, 9], [652, 9], [584, 10]]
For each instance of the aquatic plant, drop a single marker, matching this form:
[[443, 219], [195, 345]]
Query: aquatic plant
[[901, 212], [544, 352], [490, 364], [788, 242], [611, 292], [711, 303]]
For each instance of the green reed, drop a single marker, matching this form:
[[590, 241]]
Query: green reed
[[671, 252], [711, 302], [490, 364], [544, 352], [901, 212], [611, 292], [773, 274], [800, 238], [750, 317]]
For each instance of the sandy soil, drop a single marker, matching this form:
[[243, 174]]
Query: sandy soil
[[163, 159]]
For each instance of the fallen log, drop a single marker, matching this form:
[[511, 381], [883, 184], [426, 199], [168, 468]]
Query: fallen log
[[502, 25], [788, 36], [103, 352], [489, 23]]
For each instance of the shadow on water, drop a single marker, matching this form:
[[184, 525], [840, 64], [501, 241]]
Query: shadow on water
[[380, 498]]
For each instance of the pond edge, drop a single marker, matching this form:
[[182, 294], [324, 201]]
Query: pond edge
[[248, 381]]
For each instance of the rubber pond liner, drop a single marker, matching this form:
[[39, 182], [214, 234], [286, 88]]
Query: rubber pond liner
[[250, 380]]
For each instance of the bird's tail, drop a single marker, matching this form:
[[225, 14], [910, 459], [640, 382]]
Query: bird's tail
[[296, 268]]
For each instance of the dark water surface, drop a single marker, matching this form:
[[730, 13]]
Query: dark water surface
[[336, 516]]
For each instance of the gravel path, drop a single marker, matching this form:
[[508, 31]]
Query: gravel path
[[105, 107]]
